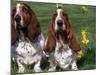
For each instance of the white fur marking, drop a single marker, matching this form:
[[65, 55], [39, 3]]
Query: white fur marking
[[37, 67], [58, 13], [18, 8], [64, 57], [18, 12], [59, 18], [28, 53]]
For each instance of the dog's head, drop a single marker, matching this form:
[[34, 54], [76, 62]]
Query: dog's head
[[23, 18]]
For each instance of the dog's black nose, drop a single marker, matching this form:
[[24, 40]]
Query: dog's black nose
[[60, 23], [17, 18]]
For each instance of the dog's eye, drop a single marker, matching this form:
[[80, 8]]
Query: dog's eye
[[24, 9], [64, 14], [14, 10]]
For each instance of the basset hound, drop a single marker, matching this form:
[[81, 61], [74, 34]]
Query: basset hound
[[61, 45], [27, 40]]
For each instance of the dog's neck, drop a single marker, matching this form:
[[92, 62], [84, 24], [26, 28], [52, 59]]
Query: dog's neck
[[62, 43], [61, 46], [22, 35], [61, 38]]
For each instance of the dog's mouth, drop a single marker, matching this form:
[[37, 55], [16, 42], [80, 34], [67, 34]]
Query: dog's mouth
[[18, 23], [60, 32], [18, 20], [60, 29], [19, 26]]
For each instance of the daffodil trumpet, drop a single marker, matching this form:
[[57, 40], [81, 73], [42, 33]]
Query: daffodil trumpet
[[85, 40]]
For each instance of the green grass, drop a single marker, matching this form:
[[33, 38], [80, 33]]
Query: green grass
[[81, 21]]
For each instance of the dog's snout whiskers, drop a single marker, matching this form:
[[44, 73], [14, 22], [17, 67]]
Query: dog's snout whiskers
[[17, 18]]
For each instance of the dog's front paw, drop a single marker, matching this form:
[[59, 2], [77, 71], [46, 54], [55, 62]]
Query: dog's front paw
[[74, 68], [21, 70], [52, 69], [37, 70]]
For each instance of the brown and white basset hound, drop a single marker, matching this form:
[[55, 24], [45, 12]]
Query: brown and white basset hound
[[61, 44], [27, 40]]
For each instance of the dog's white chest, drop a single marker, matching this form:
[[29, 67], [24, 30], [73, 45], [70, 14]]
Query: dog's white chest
[[25, 49], [27, 52], [63, 57]]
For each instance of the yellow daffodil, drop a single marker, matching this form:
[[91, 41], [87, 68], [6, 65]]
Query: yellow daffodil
[[80, 54], [85, 40]]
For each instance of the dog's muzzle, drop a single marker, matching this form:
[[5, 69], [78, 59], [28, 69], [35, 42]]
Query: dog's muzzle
[[18, 21], [60, 25], [17, 18]]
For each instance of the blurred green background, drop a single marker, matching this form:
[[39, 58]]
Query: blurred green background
[[81, 19]]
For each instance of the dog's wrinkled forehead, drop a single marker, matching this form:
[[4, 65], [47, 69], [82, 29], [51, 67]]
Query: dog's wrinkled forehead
[[59, 12], [20, 7]]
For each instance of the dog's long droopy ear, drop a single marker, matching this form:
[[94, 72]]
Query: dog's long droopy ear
[[13, 29], [73, 42], [33, 28], [72, 36], [51, 40]]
